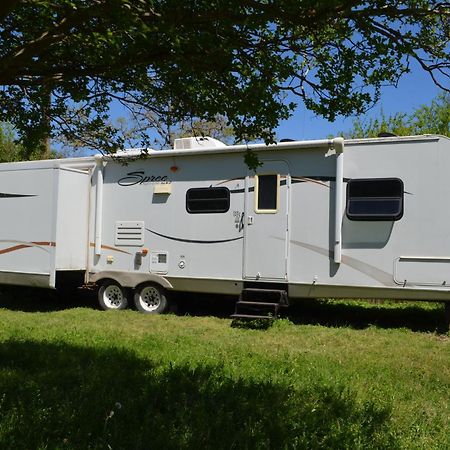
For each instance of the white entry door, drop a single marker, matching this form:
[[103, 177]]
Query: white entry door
[[266, 222]]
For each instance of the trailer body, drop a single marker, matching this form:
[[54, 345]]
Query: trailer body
[[331, 218]]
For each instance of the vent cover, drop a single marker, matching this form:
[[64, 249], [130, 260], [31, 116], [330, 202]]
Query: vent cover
[[130, 234], [190, 143]]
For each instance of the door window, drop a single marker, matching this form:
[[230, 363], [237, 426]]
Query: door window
[[267, 193]]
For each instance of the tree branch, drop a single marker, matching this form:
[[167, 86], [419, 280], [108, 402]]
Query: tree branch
[[41, 44], [6, 6]]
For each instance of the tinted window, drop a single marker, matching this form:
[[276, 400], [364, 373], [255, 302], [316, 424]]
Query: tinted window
[[375, 199], [267, 192], [207, 200]]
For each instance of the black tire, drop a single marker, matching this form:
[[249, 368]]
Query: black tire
[[112, 296], [151, 299]]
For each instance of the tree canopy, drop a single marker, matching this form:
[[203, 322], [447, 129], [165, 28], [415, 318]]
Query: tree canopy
[[427, 119], [9, 149], [247, 60]]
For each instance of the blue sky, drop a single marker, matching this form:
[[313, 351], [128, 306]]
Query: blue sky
[[413, 90]]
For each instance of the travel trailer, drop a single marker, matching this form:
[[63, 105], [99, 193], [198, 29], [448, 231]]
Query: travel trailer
[[364, 218]]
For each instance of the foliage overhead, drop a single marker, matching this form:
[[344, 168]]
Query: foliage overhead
[[428, 119], [216, 128], [9, 149], [248, 60]]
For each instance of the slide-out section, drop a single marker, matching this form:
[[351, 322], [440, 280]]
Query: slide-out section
[[44, 221]]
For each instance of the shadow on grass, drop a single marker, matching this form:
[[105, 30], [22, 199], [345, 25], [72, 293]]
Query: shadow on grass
[[308, 311], [61, 396], [426, 318], [29, 299], [358, 315], [195, 304]]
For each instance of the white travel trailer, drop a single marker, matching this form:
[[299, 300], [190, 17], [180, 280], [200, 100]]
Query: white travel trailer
[[327, 218]]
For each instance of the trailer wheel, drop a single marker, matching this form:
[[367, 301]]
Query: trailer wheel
[[112, 295], [150, 299]]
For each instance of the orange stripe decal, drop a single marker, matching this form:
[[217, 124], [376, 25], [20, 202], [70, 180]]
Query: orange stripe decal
[[13, 249], [31, 244], [52, 244]]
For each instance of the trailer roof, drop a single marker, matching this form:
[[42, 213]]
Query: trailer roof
[[394, 139], [324, 143], [87, 162], [80, 164]]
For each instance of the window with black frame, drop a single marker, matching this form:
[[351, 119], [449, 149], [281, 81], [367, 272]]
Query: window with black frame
[[207, 200], [375, 199]]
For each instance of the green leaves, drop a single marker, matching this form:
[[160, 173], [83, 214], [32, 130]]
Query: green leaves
[[428, 119], [199, 58]]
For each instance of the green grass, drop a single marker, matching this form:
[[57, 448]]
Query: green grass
[[78, 378]]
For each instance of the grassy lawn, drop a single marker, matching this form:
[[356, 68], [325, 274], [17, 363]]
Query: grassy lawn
[[334, 376]]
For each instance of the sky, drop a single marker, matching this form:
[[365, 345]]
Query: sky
[[413, 90]]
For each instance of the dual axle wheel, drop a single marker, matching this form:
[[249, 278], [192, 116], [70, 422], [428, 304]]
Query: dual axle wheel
[[148, 298]]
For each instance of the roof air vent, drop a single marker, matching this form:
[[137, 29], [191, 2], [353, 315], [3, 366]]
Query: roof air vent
[[191, 143]]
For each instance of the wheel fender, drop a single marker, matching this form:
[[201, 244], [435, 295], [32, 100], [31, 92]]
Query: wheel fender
[[130, 279]]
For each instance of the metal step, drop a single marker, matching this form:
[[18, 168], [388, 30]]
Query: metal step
[[251, 316], [256, 303], [264, 291], [264, 295]]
